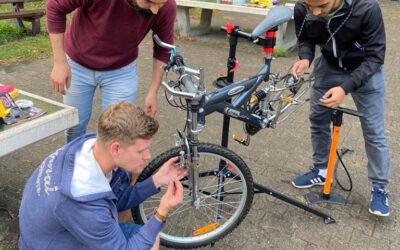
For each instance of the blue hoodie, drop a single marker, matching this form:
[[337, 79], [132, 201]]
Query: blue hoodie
[[53, 217]]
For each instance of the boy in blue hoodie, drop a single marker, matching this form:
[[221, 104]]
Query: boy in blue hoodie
[[72, 199]]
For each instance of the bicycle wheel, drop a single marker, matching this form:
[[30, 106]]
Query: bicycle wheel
[[190, 227]]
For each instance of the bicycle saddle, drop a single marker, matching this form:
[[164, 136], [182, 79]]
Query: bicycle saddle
[[276, 16]]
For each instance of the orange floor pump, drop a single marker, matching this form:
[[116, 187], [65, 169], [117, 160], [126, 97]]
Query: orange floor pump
[[327, 196]]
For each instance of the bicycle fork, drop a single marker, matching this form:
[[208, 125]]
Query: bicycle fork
[[191, 145], [192, 155]]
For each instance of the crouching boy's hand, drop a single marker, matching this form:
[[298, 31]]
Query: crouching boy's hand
[[172, 198], [170, 170]]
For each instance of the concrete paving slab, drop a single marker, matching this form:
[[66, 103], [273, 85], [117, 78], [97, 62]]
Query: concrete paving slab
[[275, 156]]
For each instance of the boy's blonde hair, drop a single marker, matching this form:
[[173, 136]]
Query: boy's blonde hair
[[124, 122]]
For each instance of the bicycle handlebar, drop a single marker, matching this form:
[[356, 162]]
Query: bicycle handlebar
[[163, 44], [184, 72], [191, 71], [188, 83], [178, 63], [173, 92]]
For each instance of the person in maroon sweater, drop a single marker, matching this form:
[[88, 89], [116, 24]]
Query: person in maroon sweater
[[100, 48]]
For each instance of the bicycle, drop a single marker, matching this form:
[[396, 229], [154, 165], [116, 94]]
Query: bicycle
[[219, 187]]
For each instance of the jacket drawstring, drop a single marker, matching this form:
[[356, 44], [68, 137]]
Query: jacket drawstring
[[341, 25], [334, 33]]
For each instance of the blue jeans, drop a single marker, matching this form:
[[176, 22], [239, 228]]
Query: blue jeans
[[115, 86], [370, 101], [129, 229]]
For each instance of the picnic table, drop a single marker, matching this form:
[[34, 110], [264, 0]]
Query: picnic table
[[285, 35], [19, 13], [57, 118]]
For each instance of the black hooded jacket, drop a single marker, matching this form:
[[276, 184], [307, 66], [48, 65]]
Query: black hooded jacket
[[353, 39]]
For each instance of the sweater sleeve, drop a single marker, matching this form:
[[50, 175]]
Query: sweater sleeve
[[133, 195], [306, 46], [164, 28], [92, 224], [374, 41], [57, 10]]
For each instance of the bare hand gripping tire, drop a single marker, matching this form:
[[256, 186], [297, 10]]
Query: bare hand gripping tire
[[226, 193]]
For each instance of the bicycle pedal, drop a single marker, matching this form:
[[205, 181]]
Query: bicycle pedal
[[220, 82], [287, 99], [240, 140]]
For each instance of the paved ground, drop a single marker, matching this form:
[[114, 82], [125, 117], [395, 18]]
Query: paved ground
[[274, 156]]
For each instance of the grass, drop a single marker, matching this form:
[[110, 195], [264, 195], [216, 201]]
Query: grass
[[16, 46], [25, 49]]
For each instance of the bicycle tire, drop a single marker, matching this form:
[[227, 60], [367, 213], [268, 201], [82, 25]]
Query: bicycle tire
[[175, 234]]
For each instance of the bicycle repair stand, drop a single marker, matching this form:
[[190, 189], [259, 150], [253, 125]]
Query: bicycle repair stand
[[268, 45], [327, 196]]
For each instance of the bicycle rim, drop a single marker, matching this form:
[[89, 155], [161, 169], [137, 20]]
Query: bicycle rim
[[188, 226]]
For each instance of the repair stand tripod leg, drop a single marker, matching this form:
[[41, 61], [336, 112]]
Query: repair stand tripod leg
[[262, 189]]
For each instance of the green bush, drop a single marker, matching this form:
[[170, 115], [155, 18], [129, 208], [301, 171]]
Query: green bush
[[8, 32], [280, 51]]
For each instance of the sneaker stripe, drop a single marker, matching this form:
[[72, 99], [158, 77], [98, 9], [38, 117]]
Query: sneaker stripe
[[308, 179]]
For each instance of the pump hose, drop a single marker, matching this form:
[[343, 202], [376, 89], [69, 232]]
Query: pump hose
[[343, 151]]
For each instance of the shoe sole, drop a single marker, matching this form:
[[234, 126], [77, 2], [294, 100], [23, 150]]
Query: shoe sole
[[312, 185], [378, 213]]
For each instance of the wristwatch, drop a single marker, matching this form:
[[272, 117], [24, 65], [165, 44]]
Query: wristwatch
[[159, 216]]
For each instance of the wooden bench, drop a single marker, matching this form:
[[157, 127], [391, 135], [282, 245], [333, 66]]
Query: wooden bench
[[286, 36], [20, 14]]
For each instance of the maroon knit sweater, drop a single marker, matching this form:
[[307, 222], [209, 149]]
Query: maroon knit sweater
[[105, 34]]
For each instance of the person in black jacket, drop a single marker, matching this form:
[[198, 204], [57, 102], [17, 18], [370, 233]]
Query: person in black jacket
[[351, 36]]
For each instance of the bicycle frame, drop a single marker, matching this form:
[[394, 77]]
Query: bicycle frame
[[230, 100], [217, 100]]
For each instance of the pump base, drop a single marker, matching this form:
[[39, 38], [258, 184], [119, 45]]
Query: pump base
[[319, 198]]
